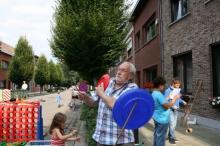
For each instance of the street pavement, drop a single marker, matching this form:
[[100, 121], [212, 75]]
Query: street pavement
[[201, 135], [49, 109]]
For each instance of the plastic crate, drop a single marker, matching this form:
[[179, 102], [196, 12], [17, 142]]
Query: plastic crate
[[39, 142]]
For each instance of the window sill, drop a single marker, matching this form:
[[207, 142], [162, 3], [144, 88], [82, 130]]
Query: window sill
[[129, 57], [145, 43], [179, 19], [137, 50], [149, 41]]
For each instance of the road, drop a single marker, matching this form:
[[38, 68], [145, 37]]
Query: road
[[49, 109]]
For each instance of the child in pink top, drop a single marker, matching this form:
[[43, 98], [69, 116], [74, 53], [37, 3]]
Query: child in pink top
[[56, 130]]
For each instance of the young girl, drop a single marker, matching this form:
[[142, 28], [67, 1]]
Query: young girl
[[56, 130]]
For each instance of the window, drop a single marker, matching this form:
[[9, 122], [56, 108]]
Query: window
[[183, 69], [4, 64], [138, 78], [3, 83], [138, 38], [216, 70], [151, 30], [129, 48], [179, 8], [151, 73], [129, 53], [119, 60]]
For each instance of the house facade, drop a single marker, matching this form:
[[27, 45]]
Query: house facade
[[191, 38], [6, 53], [143, 47], [146, 41], [179, 38]]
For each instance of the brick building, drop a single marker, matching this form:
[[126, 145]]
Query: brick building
[[143, 47], [191, 38], [178, 38], [6, 53], [146, 38]]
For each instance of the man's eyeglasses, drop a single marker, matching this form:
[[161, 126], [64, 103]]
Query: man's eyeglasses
[[122, 70]]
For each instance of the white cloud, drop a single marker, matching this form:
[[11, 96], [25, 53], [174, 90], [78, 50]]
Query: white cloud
[[30, 18]]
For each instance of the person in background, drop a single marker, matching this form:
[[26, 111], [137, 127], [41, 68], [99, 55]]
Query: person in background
[[58, 97], [173, 110], [161, 114], [57, 132], [107, 131]]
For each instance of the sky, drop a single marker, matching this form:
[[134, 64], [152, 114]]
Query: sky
[[31, 19]]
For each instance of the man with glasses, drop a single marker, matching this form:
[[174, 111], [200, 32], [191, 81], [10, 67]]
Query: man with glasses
[[107, 131]]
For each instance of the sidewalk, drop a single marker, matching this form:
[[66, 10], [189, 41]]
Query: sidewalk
[[33, 94], [73, 122], [201, 135]]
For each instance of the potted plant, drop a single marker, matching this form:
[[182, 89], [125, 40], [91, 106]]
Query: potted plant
[[185, 97], [148, 87], [215, 102]]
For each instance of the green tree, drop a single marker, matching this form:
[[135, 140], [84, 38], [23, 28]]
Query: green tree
[[53, 73], [67, 76], [22, 64], [60, 75], [88, 35], [42, 73]]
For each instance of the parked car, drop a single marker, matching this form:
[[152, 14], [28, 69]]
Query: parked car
[[62, 88], [74, 92]]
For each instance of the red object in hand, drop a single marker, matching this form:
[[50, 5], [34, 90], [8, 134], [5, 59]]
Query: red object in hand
[[105, 80]]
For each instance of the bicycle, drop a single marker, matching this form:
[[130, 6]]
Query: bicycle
[[72, 104]]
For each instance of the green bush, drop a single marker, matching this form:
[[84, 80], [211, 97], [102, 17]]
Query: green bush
[[89, 115], [49, 90]]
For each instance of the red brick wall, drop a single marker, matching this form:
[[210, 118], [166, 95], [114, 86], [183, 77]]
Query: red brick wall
[[3, 73], [149, 53], [195, 32]]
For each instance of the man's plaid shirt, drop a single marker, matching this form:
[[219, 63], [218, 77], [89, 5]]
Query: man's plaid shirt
[[107, 131]]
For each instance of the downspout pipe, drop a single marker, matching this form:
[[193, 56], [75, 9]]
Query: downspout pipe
[[161, 37]]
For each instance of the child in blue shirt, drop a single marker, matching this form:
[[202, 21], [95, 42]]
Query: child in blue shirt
[[58, 97], [173, 110], [161, 112]]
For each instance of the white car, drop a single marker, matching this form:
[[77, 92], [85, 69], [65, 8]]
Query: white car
[[74, 92]]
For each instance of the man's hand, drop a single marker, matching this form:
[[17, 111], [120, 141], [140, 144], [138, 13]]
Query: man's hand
[[81, 95], [99, 89], [184, 103]]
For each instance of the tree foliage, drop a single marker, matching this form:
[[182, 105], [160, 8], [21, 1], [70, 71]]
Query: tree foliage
[[53, 73], [22, 64], [88, 35], [42, 73], [60, 78]]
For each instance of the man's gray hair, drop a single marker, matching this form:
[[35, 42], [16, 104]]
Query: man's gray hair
[[132, 68]]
